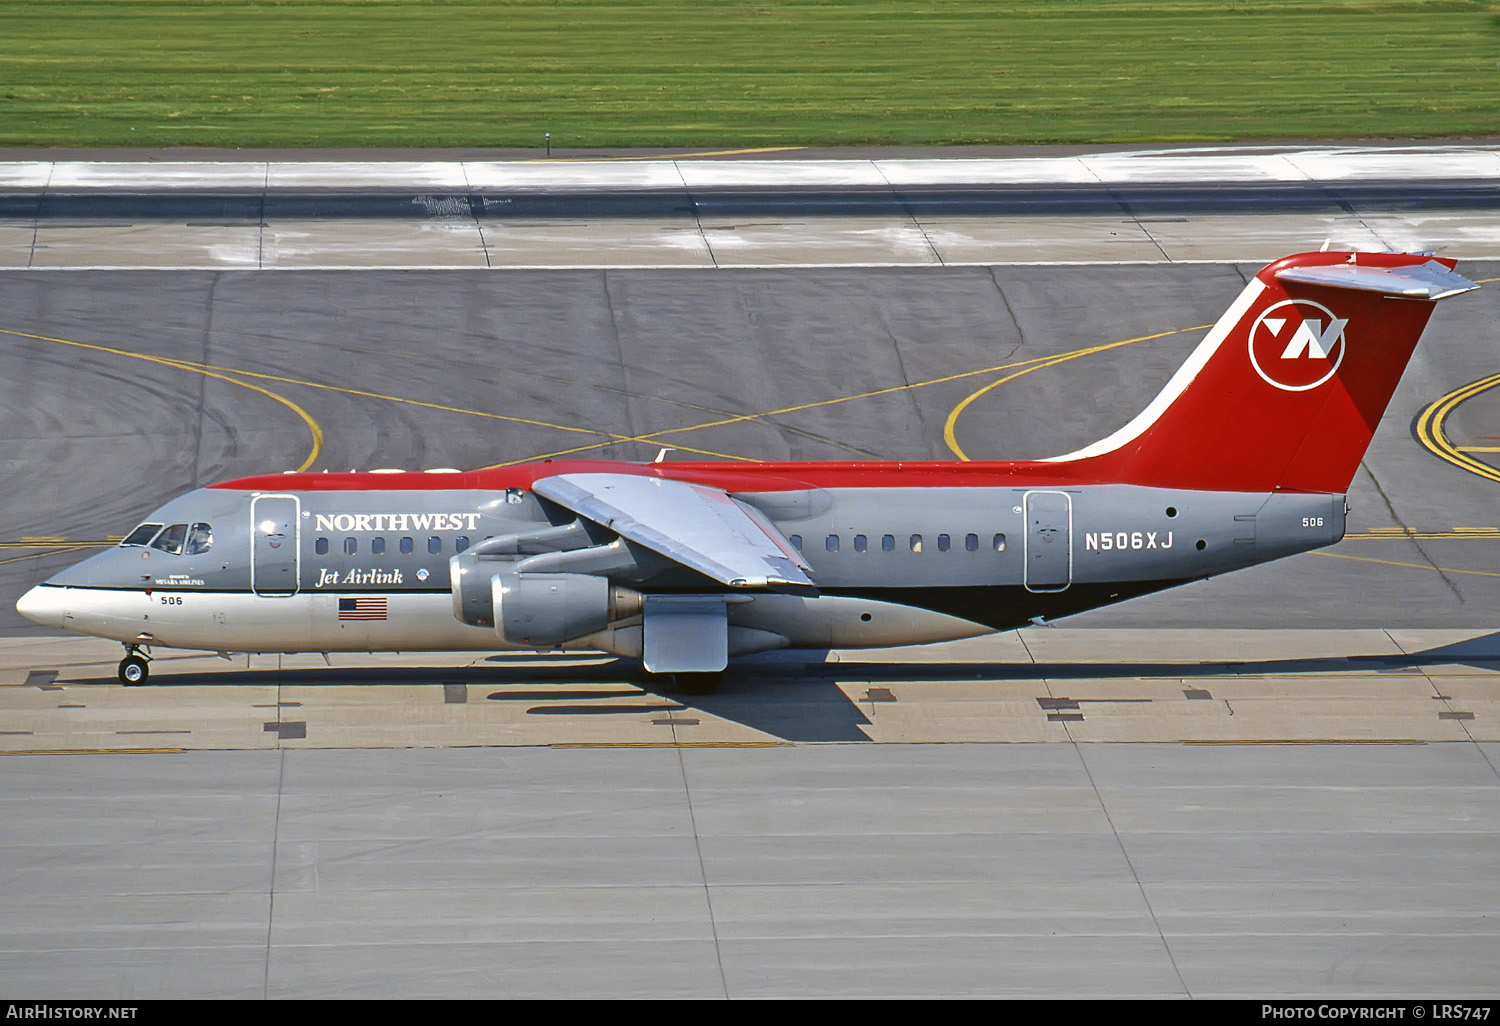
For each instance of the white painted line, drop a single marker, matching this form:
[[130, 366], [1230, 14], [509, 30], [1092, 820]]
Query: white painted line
[[922, 172], [858, 266], [819, 174], [575, 177], [311, 174], [1209, 164], [117, 175], [1434, 163], [30, 174], [1163, 170]]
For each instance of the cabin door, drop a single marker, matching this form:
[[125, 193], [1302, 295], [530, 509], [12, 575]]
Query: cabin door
[[274, 559], [1049, 541]]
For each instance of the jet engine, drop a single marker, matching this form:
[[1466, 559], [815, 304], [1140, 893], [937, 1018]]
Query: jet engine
[[541, 610]]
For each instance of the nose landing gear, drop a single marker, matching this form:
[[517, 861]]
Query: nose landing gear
[[134, 669]]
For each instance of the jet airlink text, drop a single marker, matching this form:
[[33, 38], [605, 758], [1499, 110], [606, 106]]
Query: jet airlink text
[[327, 577], [397, 522]]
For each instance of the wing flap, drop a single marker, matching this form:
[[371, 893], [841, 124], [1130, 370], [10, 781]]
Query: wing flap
[[700, 527]]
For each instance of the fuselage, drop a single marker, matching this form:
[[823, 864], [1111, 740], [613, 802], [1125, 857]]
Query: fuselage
[[901, 554]]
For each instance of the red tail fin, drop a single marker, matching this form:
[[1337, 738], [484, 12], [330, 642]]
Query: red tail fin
[[1287, 389]]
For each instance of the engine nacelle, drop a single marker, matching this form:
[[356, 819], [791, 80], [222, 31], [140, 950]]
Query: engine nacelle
[[473, 603], [542, 610]]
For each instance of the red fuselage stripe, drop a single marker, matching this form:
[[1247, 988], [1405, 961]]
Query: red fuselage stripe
[[758, 477]]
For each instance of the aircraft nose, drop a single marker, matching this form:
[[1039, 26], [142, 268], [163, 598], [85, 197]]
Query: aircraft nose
[[43, 605]]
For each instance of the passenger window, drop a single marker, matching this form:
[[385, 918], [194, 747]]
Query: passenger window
[[461, 544], [350, 546], [943, 543], [200, 539], [833, 543], [321, 546], [141, 535], [999, 543], [406, 546], [434, 545], [888, 543], [916, 543], [971, 542], [796, 541], [377, 546], [861, 543], [171, 539]]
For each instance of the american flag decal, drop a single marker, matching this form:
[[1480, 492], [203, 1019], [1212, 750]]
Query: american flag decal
[[362, 608]]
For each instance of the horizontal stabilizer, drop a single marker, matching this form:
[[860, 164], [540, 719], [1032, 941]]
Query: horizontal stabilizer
[[1431, 281]]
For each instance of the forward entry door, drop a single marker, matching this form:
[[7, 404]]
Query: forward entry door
[[1049, 541], [273, 544]]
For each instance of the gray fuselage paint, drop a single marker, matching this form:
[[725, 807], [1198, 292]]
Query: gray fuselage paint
[[933, 562]]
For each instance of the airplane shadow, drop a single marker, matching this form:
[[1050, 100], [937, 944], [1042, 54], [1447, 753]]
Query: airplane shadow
[[781, 695]]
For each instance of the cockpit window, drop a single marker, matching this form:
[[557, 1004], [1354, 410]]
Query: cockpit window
[[200, 539], [141, 535], [171, 539]]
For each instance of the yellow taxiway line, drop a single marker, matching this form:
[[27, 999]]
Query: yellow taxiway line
[[194, 368], [1414, 566], [950, 424], [1433, 437]]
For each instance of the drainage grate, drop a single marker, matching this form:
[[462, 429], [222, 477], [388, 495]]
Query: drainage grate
[[287, 731]]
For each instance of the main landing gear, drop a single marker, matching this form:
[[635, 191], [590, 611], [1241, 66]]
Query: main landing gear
[[698, 683], [134, 669]]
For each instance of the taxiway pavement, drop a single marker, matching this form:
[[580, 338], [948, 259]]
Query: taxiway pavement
[[127, 389], [1308, 807]]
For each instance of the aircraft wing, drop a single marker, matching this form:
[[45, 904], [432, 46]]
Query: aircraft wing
[[700, 527]]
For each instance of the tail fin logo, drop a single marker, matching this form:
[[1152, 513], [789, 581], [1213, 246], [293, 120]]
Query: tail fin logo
[[1297, 345]]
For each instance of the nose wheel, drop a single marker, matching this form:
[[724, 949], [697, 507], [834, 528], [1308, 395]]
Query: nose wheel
[[134, 669]]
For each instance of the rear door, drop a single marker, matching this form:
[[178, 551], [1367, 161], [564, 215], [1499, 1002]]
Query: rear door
[[1049, 541]]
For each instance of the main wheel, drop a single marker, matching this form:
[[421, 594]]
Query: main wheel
[[134, 670], [698, 683]]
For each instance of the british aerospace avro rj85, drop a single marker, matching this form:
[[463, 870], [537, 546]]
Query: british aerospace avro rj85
[[1244, 457]]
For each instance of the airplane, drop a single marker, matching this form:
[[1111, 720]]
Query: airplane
[[1244, 457]]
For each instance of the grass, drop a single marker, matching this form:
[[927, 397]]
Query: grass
[[689, 73]]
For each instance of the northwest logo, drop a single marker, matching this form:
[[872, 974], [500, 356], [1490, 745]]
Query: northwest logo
[[1297, 344]]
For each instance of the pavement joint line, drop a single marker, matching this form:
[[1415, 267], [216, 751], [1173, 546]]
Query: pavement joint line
[[95, 751], [1315, 741], [1413, 566], [667, 744], [716, 268]]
